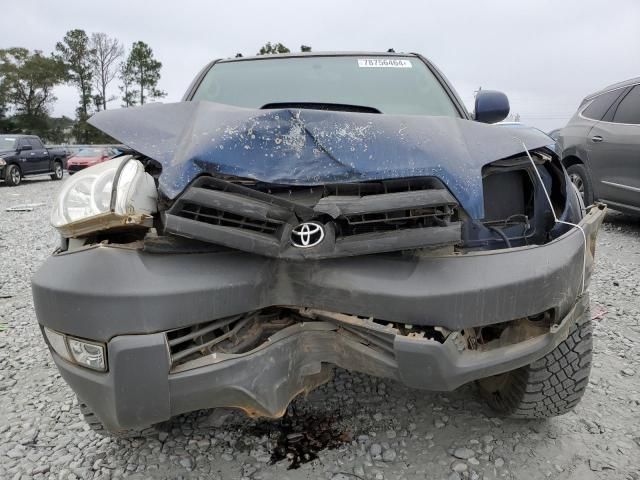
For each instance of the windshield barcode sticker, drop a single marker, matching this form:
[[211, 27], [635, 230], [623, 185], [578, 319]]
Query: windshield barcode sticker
[[384, 63]]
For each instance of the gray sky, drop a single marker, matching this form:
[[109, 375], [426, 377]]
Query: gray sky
[[545, 55]]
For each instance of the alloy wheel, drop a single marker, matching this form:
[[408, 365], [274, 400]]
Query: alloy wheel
[[15, 176], [578, 182]]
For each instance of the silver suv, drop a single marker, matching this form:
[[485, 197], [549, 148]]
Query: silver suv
[[600, 147]]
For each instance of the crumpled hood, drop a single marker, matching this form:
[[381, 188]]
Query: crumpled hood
[[312, 147]]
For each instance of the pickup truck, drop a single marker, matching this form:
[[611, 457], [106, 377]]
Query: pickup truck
[[300, 212], [24, 155]]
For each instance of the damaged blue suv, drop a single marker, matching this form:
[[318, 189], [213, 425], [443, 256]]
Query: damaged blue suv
[[300, 212]]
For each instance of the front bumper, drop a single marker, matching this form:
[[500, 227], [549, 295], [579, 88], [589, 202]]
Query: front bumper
[[138, 391], [129, 299]]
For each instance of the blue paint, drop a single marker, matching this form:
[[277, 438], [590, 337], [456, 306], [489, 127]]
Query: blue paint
[[313, 147]]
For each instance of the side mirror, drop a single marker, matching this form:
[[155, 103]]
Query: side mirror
[[24, 148], [491, 106]]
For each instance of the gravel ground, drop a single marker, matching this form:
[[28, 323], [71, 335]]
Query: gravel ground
[[370, 428]]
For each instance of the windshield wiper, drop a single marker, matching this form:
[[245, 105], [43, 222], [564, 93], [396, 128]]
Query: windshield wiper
[[335, 107]]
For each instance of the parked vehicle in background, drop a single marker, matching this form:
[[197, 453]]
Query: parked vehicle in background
[[65, 148], [25, 155], [600, 146], [552, 141], [555, 133], [89, 156]]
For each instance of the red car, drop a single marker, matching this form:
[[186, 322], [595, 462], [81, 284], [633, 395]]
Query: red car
[[88, 157]]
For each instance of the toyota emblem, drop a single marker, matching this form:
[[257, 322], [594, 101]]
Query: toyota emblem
[[307, 235]]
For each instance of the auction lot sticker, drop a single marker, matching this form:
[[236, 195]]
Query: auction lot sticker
[[384, 63]]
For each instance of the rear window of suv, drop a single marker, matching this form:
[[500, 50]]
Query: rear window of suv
[[628, 110], [600, 104], [395, 85]]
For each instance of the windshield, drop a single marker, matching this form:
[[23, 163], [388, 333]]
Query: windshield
[[7, 143], [395, 85]]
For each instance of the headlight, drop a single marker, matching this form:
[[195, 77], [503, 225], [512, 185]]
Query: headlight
[[111, 194], [88, 354], [82, 352], [2, 162]]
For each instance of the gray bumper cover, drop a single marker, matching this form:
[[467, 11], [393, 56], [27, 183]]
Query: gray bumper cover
[[129, 298], [102, 292], [138, 391]]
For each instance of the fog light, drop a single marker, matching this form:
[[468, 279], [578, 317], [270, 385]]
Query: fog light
[[58, 343], [87, 354]]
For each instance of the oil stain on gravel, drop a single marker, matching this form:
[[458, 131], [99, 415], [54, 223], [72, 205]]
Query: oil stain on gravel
[[299, 438]]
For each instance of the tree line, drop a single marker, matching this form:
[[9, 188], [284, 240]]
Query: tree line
[[90, 63]]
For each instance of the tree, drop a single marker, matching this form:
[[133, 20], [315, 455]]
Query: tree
[[268, 49], [305, 48], [59, 130], [140, 75], [3, 103], [28, 80], [105, 52], [76, 53], [3, 92], [126, 86]]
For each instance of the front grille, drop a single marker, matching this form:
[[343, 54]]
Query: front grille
[[202, 339], [392, 220], [213, 216], [194, 346], [358, 218]]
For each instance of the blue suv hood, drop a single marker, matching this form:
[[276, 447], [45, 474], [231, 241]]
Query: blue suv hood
[[313, 147]]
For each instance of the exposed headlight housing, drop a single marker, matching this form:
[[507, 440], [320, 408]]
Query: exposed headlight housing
[[111, 194], [75, 350]]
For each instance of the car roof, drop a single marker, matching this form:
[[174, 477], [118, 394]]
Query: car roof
[[615, 86], [319, 54], [17, 135]]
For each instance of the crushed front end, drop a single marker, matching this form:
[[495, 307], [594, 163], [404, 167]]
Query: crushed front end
[[218, 286]]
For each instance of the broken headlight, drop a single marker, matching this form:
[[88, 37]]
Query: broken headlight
[[112, 194]]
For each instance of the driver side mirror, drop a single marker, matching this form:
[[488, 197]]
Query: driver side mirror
[[24, 148], [491, 106]]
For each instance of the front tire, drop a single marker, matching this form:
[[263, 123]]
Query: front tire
[[58, 172], [13, 176], [582, 180], [548, 387]]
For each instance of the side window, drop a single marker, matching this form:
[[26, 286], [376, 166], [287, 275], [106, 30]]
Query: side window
[[599, 105], [36, 144], [629, 108]]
